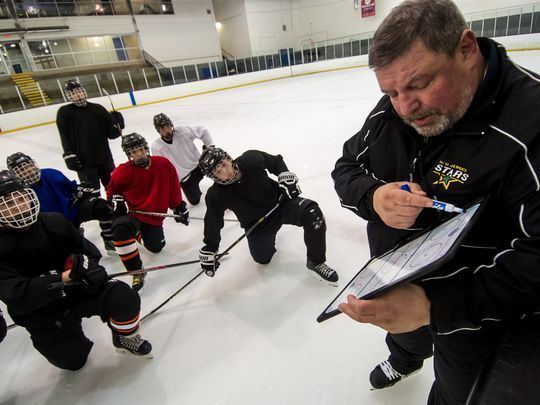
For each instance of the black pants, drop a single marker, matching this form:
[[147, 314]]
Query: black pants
[[511, 376], [126, 231], [300, 212], [458, 358], [63, 343], [190, 186], [97, 173]]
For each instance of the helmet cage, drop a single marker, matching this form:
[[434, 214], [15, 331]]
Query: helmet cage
[[28, 171], [130, 148], [19, 209], [77, 96], [212, 161]]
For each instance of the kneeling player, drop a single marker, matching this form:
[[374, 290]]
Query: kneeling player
[[243, 186], [56, 193], [148, 184], [40, 250]]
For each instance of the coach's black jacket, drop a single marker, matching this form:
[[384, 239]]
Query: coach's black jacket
[[31, 259], [494, 149]]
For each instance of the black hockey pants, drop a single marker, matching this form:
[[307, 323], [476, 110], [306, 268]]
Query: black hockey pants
[[97, 173], [63, 342], [299, 212], [190, 186]]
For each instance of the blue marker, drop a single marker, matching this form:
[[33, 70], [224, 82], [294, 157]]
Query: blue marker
[[438, 205]]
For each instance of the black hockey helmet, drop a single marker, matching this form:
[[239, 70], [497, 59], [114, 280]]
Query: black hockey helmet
[[75, 92], [72, 85], [134, 141], [19, 205], [24, 167], [160, 120], [211, 160]]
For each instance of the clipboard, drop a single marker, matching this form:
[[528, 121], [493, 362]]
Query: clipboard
[[409, 260]]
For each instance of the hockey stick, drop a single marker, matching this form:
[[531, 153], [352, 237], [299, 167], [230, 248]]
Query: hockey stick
[[163, 215], [110, 99], [219, 256], [61, 284]]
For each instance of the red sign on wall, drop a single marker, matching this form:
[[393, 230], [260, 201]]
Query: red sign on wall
[[368, 8]]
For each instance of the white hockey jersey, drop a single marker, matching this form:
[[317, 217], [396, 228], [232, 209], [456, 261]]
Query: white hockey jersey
[[183, 152]]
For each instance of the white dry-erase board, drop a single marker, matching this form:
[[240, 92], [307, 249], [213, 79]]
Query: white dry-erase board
[[408, 261]]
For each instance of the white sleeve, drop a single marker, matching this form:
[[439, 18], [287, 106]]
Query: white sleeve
[[203, 134]]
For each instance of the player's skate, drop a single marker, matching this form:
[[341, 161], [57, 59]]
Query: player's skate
[[384, 375], [323, 272], [132, 344], [109, 247]]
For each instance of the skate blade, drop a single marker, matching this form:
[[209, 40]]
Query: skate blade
[[317, 277], [130, 354]]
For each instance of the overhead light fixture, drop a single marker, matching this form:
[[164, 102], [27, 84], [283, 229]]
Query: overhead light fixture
[[163, 7], [218, 25], [55, 43], [13, 45], [46, 51]]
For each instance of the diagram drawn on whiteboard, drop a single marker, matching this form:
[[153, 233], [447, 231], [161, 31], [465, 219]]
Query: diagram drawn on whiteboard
[[404, 261]]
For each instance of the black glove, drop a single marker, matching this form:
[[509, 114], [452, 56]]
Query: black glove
[[182, 213], [288, 185], [209, 263], [92, 275], [102, 210], [118, 120], [84, 191], [72, 161], [119, 205]]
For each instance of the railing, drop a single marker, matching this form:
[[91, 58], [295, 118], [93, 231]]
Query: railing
[[52, 8], [152, 77]]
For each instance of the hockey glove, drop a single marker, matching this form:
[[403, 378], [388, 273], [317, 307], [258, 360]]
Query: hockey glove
[[209, 262], [72, 161], [119, 205], [83, 191], [101, 209], [288, 185], [182, 213], [92, 275], [118, 119]]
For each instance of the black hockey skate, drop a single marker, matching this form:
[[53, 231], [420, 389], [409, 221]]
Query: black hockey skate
[[138, 281], [109, 247], [323, 272], [132, 344], [384, 375]]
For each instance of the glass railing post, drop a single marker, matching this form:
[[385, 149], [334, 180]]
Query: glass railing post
[[114, 81], [41, 93], [61, 90], [145, 79], [130, 81], [20, 97], [172, 75]]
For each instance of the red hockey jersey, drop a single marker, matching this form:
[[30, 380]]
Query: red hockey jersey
[[153, 190]]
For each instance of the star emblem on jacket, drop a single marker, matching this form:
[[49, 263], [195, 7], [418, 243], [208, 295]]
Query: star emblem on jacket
[[449, 173]]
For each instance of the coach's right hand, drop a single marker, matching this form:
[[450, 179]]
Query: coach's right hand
[[399, 208]]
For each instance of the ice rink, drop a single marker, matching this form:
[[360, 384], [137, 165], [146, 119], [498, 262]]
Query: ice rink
[[248, 335]]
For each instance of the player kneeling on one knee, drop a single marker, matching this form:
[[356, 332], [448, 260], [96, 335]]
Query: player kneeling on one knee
[[243, 186], [139, 191], [51, 279]]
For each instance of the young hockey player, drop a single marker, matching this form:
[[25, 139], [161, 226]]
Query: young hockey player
[[243, 186], [144, 183], [56, 193], [85, 129], [177, 145], [38, 250]]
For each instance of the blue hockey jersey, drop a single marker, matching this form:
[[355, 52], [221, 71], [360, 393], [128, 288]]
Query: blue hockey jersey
[[55, 193]]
